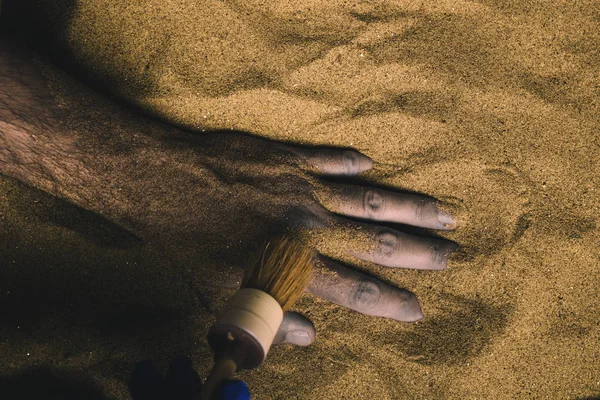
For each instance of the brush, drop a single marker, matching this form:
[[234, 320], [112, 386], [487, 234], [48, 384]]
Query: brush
[[244, 332]]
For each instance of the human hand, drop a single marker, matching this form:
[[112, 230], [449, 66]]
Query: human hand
[[285, 187], [209, 200]]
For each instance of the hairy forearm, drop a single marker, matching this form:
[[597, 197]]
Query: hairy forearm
[[73, 144], [31, 149]]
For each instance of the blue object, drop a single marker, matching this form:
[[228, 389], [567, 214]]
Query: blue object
[[233, 390]]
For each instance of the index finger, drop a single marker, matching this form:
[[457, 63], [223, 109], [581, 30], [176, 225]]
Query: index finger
[[382, 205]]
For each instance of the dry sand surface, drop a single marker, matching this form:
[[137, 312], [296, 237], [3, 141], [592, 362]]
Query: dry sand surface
[[492, 106]]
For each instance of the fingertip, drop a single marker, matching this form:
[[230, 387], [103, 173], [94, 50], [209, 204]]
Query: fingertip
[[415, 319], [295, 329], [446, 220], [299, 338], [440, 257], [365, 163], [439, 266], [406, 308], [416, 313], [410, 316]]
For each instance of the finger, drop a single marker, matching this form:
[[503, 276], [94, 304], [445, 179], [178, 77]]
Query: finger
[[335, 162], [295, 329], [382, 205], [362, 293], [389, 247]]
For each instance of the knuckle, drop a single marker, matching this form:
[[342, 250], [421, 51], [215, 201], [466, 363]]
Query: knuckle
[[373, 203], [386, 244], [365, 295]]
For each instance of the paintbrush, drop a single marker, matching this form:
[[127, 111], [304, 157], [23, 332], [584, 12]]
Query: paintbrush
[[244, 332]]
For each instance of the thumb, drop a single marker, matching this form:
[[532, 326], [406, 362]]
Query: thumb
[[295, 329]]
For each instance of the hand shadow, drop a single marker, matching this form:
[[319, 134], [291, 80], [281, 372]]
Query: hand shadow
[[45, 383]]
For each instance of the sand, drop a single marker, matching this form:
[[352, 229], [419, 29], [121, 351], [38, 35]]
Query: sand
[[492, 106]]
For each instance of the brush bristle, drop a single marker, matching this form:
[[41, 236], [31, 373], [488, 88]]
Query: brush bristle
[[283, 271]]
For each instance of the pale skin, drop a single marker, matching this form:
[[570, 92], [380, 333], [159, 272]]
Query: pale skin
[[160, 182]]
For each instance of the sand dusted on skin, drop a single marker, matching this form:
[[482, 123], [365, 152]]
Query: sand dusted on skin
[[491, 107]]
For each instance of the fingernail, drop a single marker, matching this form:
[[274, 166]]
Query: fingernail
[[299, 338], [446, 219]]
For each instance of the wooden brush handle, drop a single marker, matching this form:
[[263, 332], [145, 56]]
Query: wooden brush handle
[[251, 320], [222, 370]]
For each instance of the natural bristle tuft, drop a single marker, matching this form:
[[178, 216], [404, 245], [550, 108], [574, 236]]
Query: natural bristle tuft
[[283, 271]]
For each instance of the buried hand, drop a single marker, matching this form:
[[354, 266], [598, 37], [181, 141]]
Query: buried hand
[[214, 196], [387, 247], [258, 186]]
